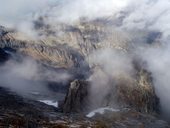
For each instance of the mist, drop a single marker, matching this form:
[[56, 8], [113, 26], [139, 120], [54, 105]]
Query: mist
[[21, 15], [110, 68], [26, 76], [158, 62], [64, 11], [142, 14], [20, 77], [143, 20]]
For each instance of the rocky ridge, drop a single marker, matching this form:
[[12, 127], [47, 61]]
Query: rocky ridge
[[68, 47]]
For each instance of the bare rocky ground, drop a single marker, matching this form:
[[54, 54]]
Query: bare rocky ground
[[17, 112], [20, 112]]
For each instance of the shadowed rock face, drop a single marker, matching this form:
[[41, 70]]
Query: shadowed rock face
[[3, 56], [139, 95], [76, 99]]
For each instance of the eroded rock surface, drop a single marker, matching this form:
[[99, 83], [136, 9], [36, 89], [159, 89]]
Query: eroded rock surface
[[76, 99], [139, 95], [68, 48]]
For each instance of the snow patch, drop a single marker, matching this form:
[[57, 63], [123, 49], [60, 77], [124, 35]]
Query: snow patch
[[49, 102], [101, 111], [8, 52]]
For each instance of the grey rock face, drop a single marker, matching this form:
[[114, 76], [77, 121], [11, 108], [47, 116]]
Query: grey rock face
[[77, 97], [139, 95], [69, 49]]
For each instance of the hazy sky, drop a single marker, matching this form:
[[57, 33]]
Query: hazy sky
[[140, 14]]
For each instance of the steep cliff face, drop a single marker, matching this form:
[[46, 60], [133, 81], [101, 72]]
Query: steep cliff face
[[76, 99], [76, 49], [70, 47], [138, 95]]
